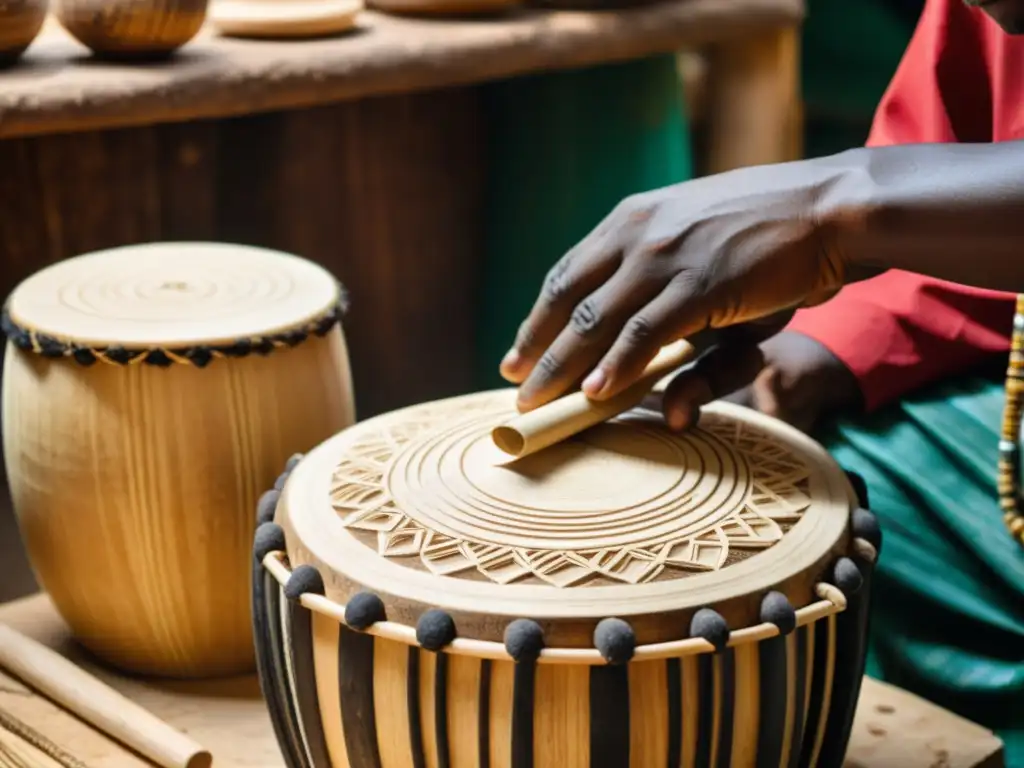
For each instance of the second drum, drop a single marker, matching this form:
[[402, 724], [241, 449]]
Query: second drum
[[150, 394]]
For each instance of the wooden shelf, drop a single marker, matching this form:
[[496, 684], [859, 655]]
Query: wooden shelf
[[58, 88]]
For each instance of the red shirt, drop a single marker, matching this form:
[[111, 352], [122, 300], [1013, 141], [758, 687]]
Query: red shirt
[[961, 80]]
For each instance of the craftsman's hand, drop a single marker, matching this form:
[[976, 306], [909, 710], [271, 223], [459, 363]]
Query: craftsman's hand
[[791, 377], [713, 253]]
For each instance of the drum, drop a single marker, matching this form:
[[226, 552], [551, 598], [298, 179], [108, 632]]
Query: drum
[[628, 597], [150, 394]]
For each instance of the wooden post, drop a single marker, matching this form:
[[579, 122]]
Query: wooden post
[[754, 104]]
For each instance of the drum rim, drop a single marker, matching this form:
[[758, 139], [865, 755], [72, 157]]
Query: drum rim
[[831, 601], [29, 337], [407, 592]]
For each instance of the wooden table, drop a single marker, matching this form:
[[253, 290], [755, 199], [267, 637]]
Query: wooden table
[[893, 729], [363, 152]]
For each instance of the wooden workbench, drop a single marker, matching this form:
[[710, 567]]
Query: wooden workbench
[[893, 729], [364, 152]]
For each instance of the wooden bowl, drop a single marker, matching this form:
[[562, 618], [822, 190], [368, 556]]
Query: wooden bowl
[[132, 29], [284, 18], [20, 22]]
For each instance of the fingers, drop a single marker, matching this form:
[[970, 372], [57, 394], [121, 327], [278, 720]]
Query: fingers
[[592, 328], [720, 372], [641, 336], [577, 274]]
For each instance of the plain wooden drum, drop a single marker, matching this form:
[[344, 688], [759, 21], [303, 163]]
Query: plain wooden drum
[[629, 598], [150, 394]]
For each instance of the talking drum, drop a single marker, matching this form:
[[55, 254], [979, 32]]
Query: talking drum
[[150, 394], [628, 597]]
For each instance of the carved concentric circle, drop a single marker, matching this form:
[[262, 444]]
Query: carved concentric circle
[[624, 503], [172, 294], [573, 496]]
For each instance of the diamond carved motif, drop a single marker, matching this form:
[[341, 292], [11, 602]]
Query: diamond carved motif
[[776, 498]]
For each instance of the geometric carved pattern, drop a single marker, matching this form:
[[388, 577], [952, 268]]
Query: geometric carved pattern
[[421, 490]]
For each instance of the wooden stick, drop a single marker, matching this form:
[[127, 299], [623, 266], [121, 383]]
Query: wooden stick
[[95, 702], [574, 413]]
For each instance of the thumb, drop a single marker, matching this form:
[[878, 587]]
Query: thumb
[[722, 371]]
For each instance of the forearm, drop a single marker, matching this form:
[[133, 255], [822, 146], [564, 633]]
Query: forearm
[[949, 211]]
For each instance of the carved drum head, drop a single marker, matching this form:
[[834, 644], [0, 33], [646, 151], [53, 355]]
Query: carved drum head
[[626, 519]]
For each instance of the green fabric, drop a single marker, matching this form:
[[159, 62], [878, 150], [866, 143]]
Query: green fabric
[[849, 53], [564, 149], [948, 616]]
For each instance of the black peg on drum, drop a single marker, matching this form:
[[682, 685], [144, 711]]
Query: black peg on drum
[[615, 640], [305, 580], [120, 355], [15, 333], [323, 327], [776, 609], [266, 507], [7, 325], [524, 640], [269, 538], [847, 576], [289, 465], [240, 348], [49, 346], [293, 338], [865, 526], [199, 356], [860, 487], [83, 356], [158, 358], [363, 610], [20, 338], [711, 626], [435, 629]]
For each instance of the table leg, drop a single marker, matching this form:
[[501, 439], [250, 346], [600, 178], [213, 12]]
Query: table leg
[[754, 105]]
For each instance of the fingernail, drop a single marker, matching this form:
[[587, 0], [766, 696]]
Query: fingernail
[[595, 382], [511, 360]]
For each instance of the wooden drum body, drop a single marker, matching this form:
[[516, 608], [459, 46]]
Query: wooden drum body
[[628, 598], [150, 394]]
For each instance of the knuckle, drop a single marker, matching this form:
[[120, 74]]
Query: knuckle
[[695, 281], [525, 337], [632, 210], [661, 247], [638, 330], [556, 283], [548, 366], [586, 318]]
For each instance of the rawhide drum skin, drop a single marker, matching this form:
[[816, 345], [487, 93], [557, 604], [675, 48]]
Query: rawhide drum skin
[[628, 598], [150, 395]]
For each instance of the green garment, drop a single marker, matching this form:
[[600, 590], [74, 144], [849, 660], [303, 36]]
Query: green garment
[[564, 148], [948, 615]]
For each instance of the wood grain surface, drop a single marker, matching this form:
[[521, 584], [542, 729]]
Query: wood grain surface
[[58, 87], [893, 729]]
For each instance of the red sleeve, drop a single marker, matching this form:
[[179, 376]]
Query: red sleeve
[[899, 331]]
